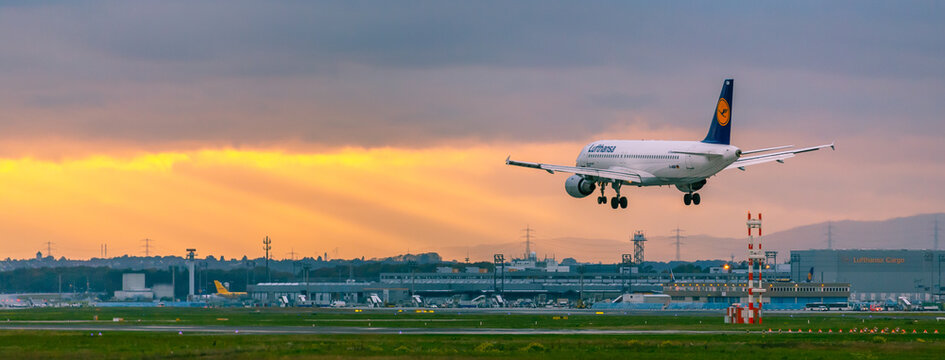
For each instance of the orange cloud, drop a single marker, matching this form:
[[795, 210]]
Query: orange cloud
[[365, 202], [385, 201]]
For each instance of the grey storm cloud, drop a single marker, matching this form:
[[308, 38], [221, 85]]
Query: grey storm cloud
[[388, 73]]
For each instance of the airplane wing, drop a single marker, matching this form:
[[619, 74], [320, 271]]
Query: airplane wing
[[741, 163], [613, 173]]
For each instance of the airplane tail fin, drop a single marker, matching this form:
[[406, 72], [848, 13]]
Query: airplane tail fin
[[220, 288], [720, 130]]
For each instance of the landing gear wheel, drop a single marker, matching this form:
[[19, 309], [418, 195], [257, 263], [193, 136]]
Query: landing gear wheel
[[687, 199], [602, 199], [623, 202], [696, 199], [614, 202]]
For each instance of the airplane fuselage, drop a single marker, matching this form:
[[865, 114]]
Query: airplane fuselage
[[659, 162]]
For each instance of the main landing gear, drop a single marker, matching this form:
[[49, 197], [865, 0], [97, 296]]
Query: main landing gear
[[616, 201], [691, 198]]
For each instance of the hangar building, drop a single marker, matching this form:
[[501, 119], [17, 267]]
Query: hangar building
[[874, 274]]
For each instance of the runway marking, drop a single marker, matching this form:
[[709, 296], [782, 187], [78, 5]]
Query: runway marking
[[394, 320], [81, 321]]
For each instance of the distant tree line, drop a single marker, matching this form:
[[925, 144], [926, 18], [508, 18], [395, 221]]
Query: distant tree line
[[106, 280]]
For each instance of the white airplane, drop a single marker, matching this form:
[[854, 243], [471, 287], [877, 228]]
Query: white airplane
[[685, 164]]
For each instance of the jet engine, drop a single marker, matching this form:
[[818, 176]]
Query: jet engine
[[578, 187], [686, 188]]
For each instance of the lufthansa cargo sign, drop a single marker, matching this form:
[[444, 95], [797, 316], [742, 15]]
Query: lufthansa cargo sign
[[875, 260]]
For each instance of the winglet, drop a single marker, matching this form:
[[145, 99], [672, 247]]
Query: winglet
[[832, 147], [507, 159]]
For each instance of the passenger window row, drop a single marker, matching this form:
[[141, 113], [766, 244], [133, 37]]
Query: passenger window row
[[633, 156]]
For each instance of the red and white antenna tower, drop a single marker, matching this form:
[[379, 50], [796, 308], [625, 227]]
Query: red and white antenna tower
[[756, 259], [737, 313]]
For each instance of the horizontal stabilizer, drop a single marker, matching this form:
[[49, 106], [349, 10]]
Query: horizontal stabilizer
[[749, 152], [741, 163]]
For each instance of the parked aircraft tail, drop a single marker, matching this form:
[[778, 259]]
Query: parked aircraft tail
[[220, 288]]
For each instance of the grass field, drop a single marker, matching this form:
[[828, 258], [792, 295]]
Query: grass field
[[455, 319], [118, 344], [18, 344]]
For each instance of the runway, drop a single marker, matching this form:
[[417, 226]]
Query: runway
[[340, 330]]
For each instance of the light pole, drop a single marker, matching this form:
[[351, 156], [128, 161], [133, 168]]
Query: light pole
[[250, 267]]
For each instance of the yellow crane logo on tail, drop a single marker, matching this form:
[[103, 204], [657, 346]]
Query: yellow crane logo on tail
[[723, 112]]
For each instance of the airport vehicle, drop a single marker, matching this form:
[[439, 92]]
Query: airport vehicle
[[820, 306], [224, 292], [684, 164]]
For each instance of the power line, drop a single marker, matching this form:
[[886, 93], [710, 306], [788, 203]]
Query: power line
[[678, 231], [935, 233], [528, 241], [49, 245], [829, 235], [147, 247]]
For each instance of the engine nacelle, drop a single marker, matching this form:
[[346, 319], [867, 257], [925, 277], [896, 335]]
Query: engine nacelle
[[687, 188], [578, 187]]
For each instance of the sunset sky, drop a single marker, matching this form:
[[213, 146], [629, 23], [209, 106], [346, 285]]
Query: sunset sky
[[373, 128]]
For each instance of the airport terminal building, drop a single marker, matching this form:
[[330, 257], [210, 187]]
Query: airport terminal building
[[874, 275], [598, 284], [812, 277]]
